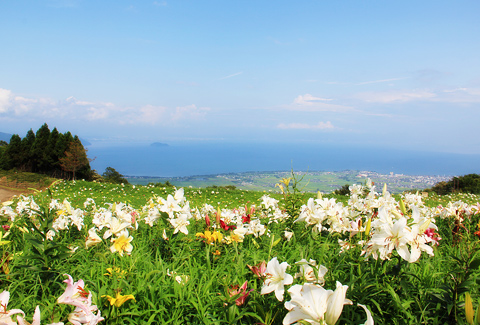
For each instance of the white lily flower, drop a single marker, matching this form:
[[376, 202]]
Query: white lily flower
[[335, 304], [92, 239], [6, 315], [276, 278], [309, 303], [369, 315], [180, 224]]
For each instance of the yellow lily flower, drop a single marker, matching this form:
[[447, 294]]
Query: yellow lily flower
[[119, 299], [210, 237], [118, 272]]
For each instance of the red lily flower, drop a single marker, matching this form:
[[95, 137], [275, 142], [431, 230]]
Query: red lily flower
[[259, 269], [235, 290]]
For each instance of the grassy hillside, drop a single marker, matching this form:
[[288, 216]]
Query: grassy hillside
[[23, 180], [130, 254]]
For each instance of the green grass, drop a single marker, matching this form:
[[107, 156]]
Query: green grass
[[22, 180], [429, 291]]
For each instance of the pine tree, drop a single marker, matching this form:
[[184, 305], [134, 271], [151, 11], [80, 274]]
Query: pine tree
[[26, 153], [52, 157], [11, 157], [75, 157], [39, 150]]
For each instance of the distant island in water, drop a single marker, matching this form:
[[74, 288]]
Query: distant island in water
[[158, 144]]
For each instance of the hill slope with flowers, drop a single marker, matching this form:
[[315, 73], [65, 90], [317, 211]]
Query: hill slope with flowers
[[89, 253]]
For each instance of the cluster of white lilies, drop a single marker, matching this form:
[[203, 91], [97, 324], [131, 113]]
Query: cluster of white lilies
[[310, 302], [383, 224]]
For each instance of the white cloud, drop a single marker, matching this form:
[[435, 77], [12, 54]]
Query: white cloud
[[311, 103], [5, 97], [460, 95], [95, 113], [308, 99], [149, 114], [396, 96], [304, 126], [72, 109], [189, 112]]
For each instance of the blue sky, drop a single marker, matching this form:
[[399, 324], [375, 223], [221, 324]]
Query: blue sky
[[401, 74]]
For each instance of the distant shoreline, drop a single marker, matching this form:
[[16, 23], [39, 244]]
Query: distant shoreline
[[324, 181]]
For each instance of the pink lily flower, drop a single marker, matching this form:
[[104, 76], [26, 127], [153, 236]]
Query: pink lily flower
[[259, 269], [235, 290], [75, 295]]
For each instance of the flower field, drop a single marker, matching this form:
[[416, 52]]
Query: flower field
[[91, 253]]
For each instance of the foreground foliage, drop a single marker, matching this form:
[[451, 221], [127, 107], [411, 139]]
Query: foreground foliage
[[150, 255]]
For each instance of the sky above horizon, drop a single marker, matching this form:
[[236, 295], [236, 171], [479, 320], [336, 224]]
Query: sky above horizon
[[398, 74]]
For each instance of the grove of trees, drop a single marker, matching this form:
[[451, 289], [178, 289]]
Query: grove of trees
[[462, 184], [47, 152]]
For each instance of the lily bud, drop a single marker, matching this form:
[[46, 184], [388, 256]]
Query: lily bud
[[468, 308], [281, 187], [207, 220], [319, 195], [218, 216], [396, 214], [367, 227], [384, 189], [424, 226], [402, 207]]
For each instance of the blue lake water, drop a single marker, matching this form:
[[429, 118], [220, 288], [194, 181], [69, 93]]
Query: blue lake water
[[204, 159]]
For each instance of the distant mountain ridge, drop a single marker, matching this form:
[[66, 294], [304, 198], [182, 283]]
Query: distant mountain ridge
[[5, 136], [159, 144]]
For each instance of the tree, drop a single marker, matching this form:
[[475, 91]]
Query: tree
[[464, 184], [344, 190], [11, 154], [40, 148], [26, 151], [75, 157], [112, 176]]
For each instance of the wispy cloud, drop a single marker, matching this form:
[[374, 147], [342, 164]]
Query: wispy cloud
[[232, 75], [456, 95], [308, 99], [460, 95], [396, 96], [304, 126], [380, 81], [190, 112], [312, 103], [62, 3], [160, 3]]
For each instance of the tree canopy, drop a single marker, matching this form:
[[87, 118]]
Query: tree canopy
[[112, 176], [463, 184], [43, 152]]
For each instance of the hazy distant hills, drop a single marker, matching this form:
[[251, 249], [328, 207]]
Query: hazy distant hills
[[158, 144], [5, 136]]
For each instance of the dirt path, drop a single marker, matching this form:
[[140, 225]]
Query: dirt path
[[6, 195]]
